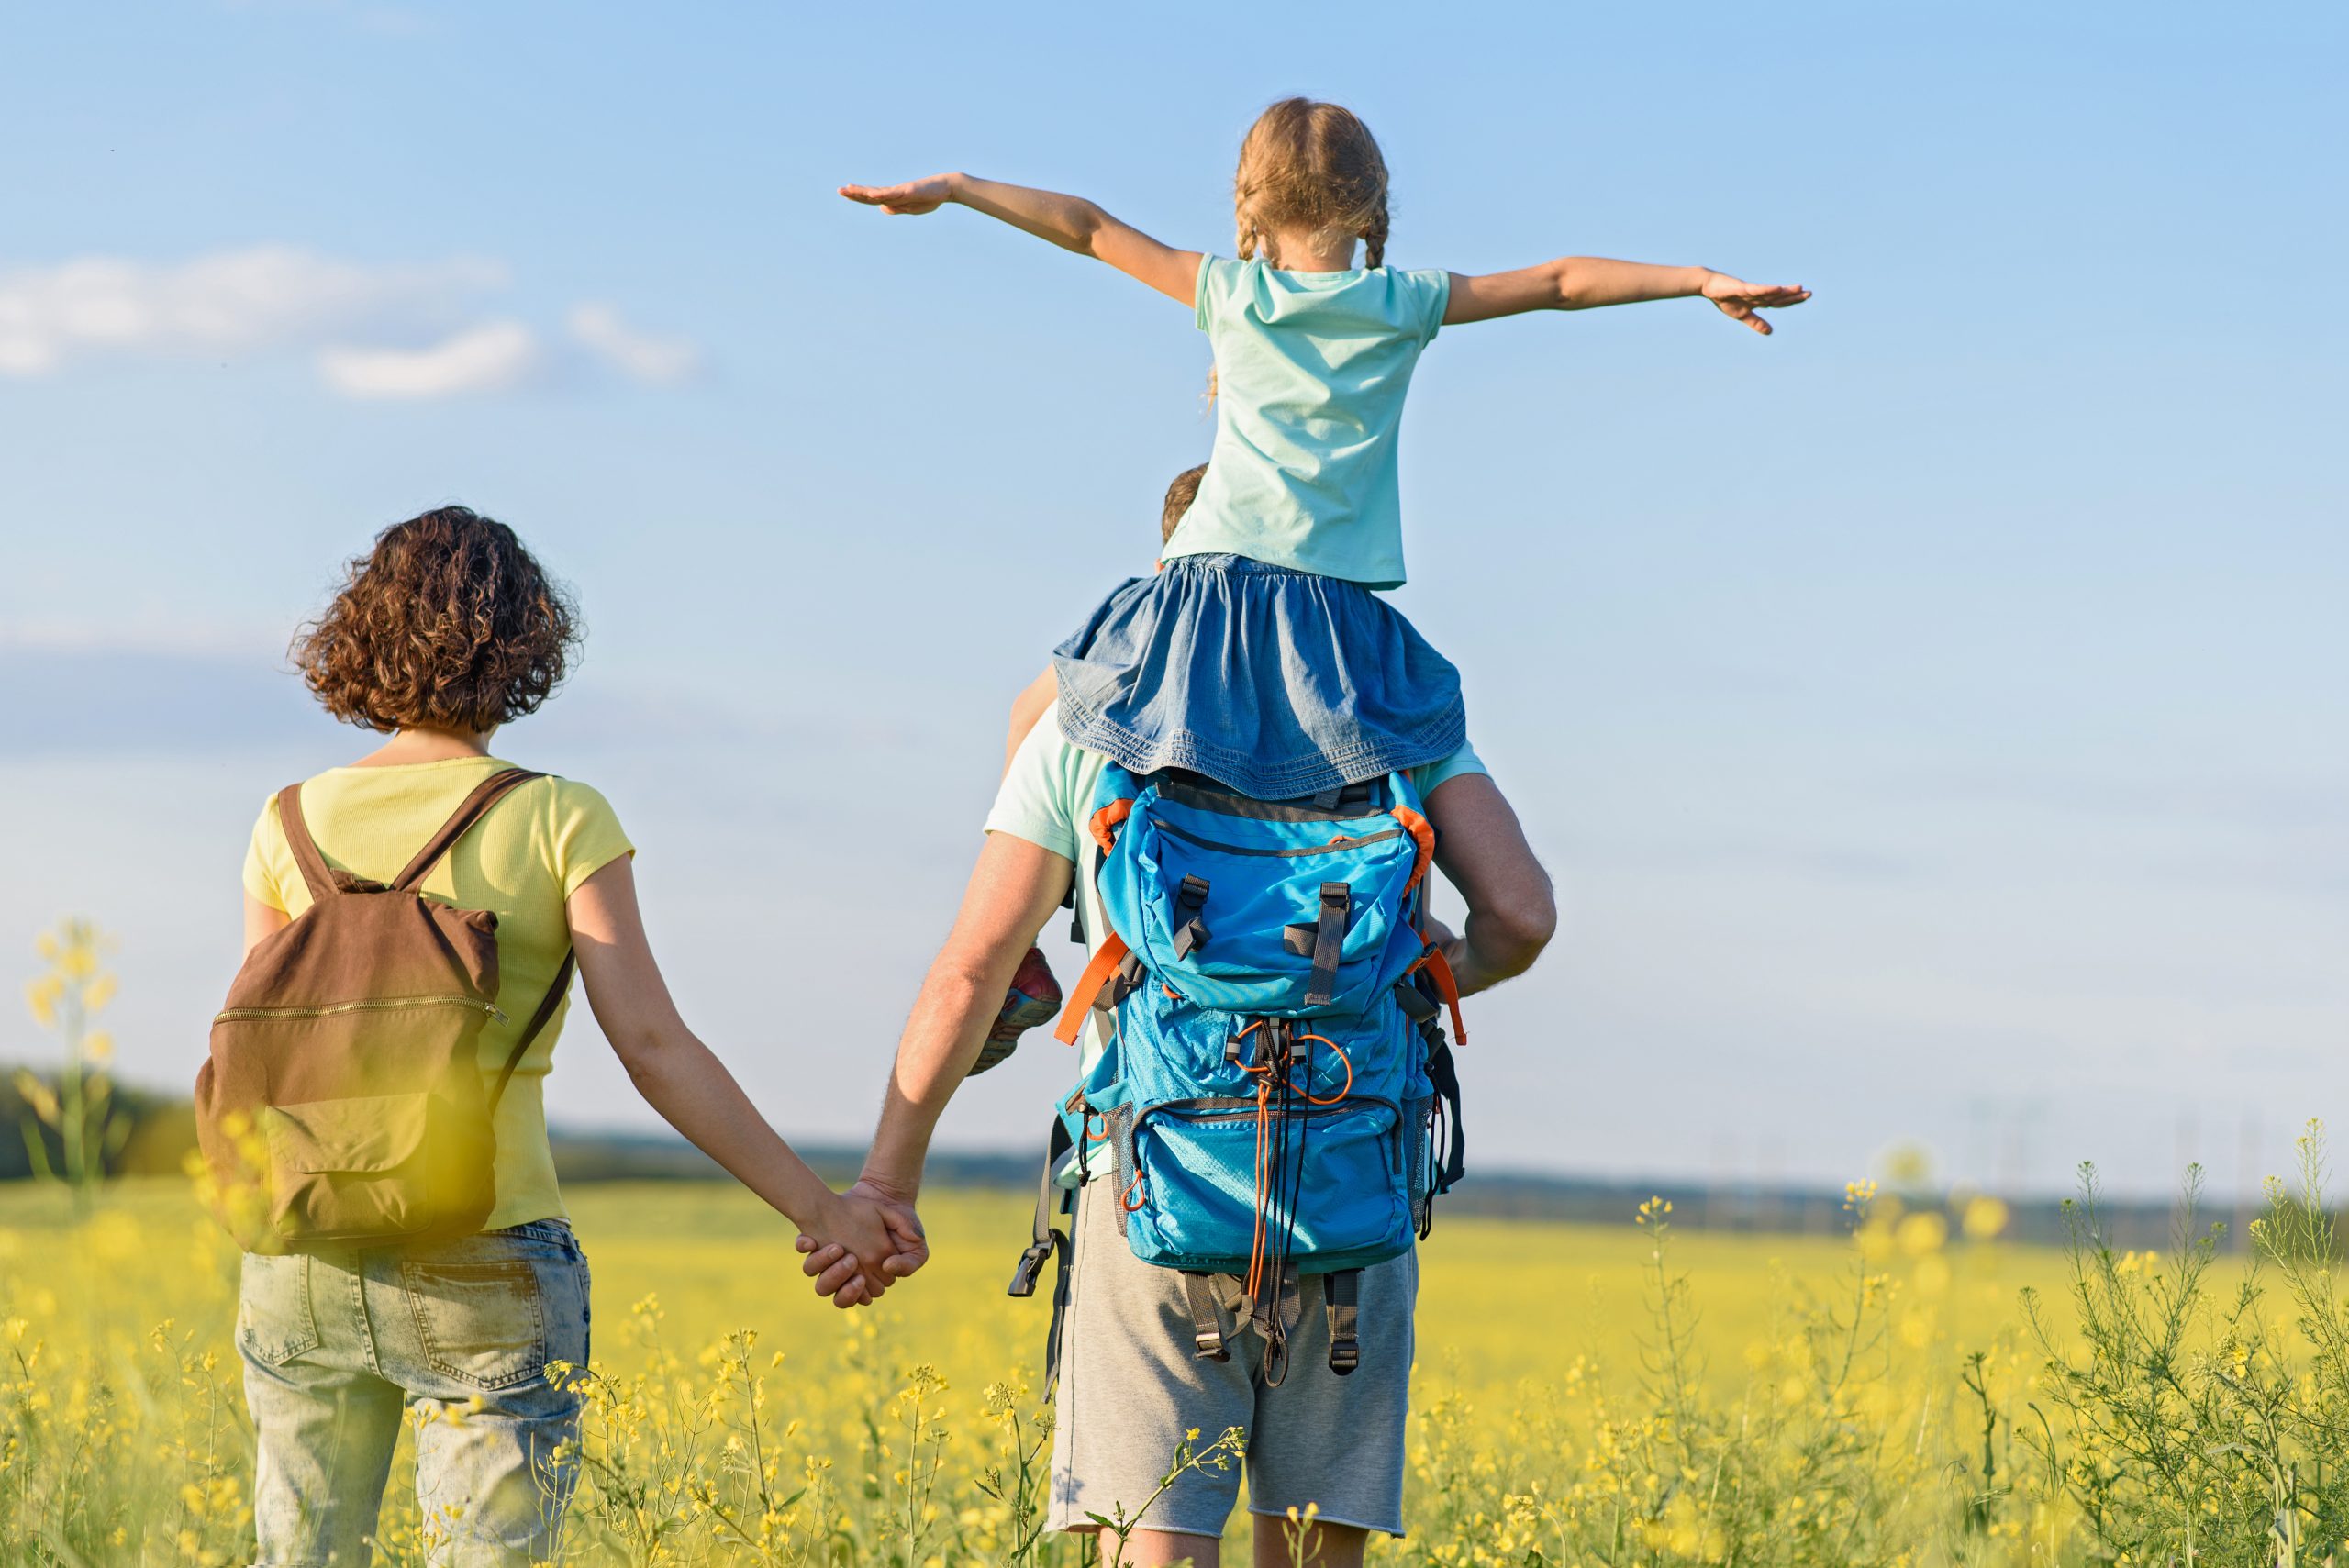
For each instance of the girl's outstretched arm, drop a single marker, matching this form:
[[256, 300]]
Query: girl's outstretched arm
[[1585, 283], [1070, 222]]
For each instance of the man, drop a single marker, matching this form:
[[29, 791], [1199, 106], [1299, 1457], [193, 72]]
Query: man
[[1130, 1387]]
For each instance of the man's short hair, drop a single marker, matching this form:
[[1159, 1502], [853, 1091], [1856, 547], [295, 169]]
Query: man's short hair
[[1179, 496]]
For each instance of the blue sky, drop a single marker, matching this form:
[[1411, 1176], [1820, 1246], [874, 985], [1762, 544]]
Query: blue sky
[[1933, 716]]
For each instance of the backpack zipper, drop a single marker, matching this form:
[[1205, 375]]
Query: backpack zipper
[[1342, 842], [366, 1005]]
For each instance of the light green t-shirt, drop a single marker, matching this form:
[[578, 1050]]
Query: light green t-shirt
[[1311, 369], [1047, 795], [522, 862]]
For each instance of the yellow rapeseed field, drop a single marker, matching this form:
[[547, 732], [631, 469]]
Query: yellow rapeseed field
[[1584, 1395]]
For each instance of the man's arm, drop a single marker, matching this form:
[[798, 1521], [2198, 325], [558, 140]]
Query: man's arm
[[1033, 702], [1013, 891], [1481, 850], [1586, 282]]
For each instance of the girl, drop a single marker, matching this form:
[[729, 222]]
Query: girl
[[1259, 654], [448, 630]]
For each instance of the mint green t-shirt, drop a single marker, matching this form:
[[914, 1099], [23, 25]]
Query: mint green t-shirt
[[1047, 795], [1311, 369]]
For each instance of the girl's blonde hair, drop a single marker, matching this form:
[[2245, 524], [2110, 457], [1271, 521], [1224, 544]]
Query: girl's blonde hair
[[1310, 165]]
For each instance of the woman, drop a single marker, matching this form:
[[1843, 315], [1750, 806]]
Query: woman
[[446, 631]]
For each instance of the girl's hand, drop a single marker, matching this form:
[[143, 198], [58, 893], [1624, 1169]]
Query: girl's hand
[[1738, 299], [911, 199]]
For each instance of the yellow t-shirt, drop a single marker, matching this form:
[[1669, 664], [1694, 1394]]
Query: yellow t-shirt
[[522, 862]]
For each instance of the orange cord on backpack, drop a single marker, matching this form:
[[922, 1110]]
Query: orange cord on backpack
[[1256, 1242], [1349, 1061]]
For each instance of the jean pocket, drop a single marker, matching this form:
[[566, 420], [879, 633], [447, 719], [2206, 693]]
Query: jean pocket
[[483, 1323], [275, 1321]]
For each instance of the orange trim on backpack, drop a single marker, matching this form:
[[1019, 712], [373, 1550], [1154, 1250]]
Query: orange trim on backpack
[[1106, 820], [1447, 986], [1423, 834], [1089, 986]]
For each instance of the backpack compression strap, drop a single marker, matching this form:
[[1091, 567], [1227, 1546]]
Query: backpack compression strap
[[1206, 1296], [1048, 1244]]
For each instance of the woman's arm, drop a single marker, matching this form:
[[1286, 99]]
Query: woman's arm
[[1586, 283], [1070, 222], [681, 1078]]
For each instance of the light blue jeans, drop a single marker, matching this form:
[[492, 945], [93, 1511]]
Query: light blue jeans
[[338, 1346]]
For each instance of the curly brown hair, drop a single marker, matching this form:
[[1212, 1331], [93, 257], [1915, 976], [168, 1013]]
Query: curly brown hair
[[446, 624], [1179, 496]]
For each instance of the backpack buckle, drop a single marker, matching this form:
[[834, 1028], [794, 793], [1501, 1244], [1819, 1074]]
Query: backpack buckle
[[1190, 930], [1031, 1263]]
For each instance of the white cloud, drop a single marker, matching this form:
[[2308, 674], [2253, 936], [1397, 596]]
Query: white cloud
[[407, 330], [487, 357], [663, 362], [235, 301]]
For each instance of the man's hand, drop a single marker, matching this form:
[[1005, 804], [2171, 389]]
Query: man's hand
[[841, 1264], [908, 200], [869, 1239], [1738, 299], [1447, 941]]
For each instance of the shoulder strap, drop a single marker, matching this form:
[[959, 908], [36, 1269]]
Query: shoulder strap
[[488, 792], [547, 1005], [305, 847]]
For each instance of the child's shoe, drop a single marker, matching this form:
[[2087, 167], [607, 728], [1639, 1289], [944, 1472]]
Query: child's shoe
[[1035, 1000]]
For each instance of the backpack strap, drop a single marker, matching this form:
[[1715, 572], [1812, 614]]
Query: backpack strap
[[488, 792], [1087, 989], [1329, 942], [1342, 1301], [315, 872], [1048, 1244], [1190, 902], [538, 1020], [1206, 1317], [471, 809]]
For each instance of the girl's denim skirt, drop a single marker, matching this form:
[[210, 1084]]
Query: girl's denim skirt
[[1273, 681]]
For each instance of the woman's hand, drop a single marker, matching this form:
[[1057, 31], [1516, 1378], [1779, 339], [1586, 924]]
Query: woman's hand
[[911, 199], [850, 1264], [1738, 299]]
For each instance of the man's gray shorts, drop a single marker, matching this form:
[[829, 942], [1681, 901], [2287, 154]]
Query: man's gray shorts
[[1132, 1385]]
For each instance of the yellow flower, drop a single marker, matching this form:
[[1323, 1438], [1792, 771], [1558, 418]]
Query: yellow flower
[[1985, 1217], [1922, 1233]]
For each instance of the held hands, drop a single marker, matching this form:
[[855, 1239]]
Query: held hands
[[872, 1238], [911, 199], [1737, 300]]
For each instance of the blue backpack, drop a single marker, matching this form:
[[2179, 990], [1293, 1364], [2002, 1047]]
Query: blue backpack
[[1276, 1095]]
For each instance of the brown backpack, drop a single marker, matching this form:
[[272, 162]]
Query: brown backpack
[[343, 1103]]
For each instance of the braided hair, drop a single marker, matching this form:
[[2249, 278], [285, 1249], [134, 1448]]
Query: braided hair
[[1310, 165]]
